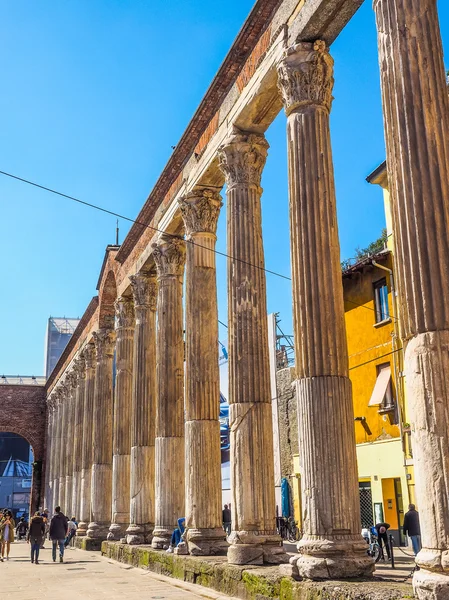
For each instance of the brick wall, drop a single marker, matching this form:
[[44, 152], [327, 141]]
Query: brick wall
[[23, 411]]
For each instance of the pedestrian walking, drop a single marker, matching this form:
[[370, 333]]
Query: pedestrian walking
[[21, 529], [44, 515], [72, 526], [35, 535], [382, 536], [58, 533], [7, 533], [226, 518], [412, 528]]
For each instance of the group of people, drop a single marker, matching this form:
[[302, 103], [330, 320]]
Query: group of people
[[59, 529], [410, 527]]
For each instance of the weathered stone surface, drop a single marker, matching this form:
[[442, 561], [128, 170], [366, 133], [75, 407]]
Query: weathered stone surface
[[89, 356], [101, 487], [242, 160], [331, 545], [205, 535], [143, 410], [416, 116], [169, 255], [124, 326], [250, 582]]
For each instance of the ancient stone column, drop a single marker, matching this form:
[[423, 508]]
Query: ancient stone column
[[64, 415], [331, 546], [50, 441], [80, 369], [89, 356], [101, 490], [143, 410], [68, 440], [124, 327], [254, 539], [416, 116], [56, 454], [200, 210], [169, 256]]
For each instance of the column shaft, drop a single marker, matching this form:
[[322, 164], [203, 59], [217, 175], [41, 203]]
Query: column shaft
[[68, 440], [331, 546], [169, 255], [254, 539], [80, 368], [48, 499], [56, 448], [63, 445], [205, 535], [101, 490], [124, 312], [416, 116], [87, 440], [143, 412]]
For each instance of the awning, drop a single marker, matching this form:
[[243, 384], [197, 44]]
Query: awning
[[380, 389]]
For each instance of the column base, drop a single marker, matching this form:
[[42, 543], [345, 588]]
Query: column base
[[117, 532], [206, 542], [82, 529], [161, 538], [139, 534], [252, 548], [323, 558], [428, 585], [97, 531]]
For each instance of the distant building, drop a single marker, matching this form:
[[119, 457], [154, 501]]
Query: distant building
[[59, 332]]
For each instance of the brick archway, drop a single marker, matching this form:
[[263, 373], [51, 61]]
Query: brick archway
[[24, 413]]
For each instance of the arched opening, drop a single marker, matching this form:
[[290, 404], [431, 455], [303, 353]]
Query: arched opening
[[16, 473]]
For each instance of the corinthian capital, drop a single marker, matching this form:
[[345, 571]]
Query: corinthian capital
[[124, 312], [306, 76], [89, 354], [80, 367], [104, 343], [170, 256], [71, 380], [242, 158], [200, 210], [144, 287]]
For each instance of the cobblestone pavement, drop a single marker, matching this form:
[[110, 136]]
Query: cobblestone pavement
[[87, 575]]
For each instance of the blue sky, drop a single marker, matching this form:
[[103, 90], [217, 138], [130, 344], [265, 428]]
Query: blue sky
[[94, 94]]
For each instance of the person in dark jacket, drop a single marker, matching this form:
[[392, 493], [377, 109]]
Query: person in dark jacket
[[58, 533], [35, 536], [412, 529], [382, 536], [22, 528], [226, 518]]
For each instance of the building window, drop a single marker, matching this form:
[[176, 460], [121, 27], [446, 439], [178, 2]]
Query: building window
[[381, 300]]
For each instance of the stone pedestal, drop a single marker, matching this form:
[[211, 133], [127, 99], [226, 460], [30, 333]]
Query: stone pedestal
[[205, 535], [86, 444], [143, 412], [254, 539], [416, 116], [101, 490], [124, 324], [331, 546], [169, 256]]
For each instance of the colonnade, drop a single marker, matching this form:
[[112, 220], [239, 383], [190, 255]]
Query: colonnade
[[148, 451]]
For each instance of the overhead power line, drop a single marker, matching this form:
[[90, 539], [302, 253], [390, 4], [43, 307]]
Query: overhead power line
[[125, 218]]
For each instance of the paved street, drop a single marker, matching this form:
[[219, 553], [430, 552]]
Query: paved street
[[87, 575]]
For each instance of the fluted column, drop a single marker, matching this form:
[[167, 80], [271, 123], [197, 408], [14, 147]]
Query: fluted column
[[254, 539], [143, 411], [200, 210], [80, 369], [331, 546], [48, 500], [89, 356], [169, 256], [68, 440], [56, 454], [124, 326], [64, 415], [101, 490], [416, 116]]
